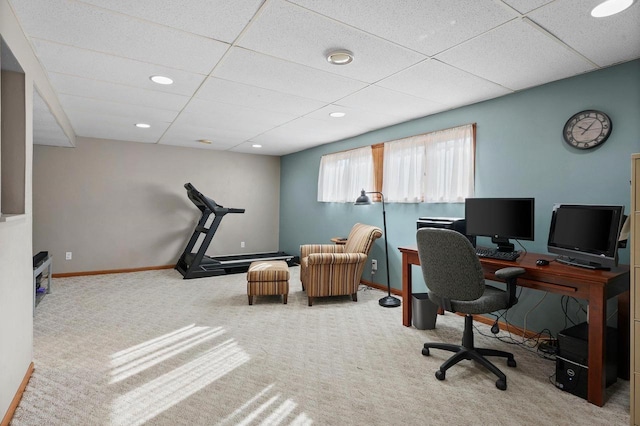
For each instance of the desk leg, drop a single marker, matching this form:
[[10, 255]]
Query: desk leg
[[406, 291], [623, 335], [597, 345]]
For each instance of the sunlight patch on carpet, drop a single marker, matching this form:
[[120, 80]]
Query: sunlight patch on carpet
[[152, 398], [133, 362]]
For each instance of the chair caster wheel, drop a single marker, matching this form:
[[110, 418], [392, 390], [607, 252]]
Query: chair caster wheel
[[501, 384], [440, 375], [425, 351], [511, 362]]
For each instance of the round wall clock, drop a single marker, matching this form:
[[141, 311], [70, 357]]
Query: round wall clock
[[587, 129]]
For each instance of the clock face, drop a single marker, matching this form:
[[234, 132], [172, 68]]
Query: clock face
[[587, 129]]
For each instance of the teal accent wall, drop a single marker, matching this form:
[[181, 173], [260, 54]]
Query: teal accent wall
[[519, 153]]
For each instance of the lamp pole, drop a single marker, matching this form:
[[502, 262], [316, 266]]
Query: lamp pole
[[388, 301]]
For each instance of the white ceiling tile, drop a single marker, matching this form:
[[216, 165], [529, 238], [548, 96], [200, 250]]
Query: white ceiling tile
[[378, 99], [247, 148], [100, 90], [245, 66], [292, 33], [356, 120], [216, 89], [605, 41], [526, 6], [248, 121], [427, 26], [516, 56], [188, 135], [102, 67], [91, 125], [134, 113], [303, 133], [443, 84], [89, 27], [218, 19]]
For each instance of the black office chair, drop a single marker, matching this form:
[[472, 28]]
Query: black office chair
[[454, 276]]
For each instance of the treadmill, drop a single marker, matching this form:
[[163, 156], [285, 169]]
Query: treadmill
[[198, 264]]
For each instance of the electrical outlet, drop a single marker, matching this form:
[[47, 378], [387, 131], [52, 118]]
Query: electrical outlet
[[374, 265], [68, 255], [242, 244]]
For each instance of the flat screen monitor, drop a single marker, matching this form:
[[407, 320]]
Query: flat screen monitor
[[586, 235], [501, 219]]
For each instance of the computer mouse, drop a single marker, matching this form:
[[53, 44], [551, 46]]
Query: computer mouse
[[542, 262]]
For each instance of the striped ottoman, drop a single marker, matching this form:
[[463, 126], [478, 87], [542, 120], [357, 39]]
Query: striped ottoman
[[268, 277]]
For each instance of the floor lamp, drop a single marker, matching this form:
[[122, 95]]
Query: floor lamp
[[388, 301]]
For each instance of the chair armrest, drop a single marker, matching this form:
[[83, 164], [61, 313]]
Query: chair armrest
[[307, 249], [510, 276], [336, 258]]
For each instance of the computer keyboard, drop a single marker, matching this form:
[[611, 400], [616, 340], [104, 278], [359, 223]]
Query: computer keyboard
[[495, 254]]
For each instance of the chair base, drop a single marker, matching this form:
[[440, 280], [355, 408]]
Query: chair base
[[468, 351]]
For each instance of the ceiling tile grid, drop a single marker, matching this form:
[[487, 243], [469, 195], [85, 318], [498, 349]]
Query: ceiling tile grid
[[217, 19], [85, 26], [248, 67], [516, 55], [58, 58], [427, 26], [255, 71], [292, 33], [438, 82], [605, 41]]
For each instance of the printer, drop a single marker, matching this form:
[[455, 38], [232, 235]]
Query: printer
[[455, 223]]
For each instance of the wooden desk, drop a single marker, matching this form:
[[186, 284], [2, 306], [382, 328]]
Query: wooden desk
[[594, 286]]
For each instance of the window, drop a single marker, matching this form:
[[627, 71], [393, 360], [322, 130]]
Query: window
[[343, 174], [436, 167]]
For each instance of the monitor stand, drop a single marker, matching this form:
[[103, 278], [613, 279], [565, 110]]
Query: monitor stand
[[566, 260], [503, 244]]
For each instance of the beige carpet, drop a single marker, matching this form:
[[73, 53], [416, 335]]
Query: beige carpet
[[151, 348]]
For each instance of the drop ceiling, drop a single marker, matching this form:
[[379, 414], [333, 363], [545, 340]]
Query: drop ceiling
[[255, 71]]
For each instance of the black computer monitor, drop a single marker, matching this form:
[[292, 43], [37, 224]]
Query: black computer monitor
[[501, 219], [586, 235]]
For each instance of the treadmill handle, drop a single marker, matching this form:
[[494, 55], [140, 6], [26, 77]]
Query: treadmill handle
[[231, 210]]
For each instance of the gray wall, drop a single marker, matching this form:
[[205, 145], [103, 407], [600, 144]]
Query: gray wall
[[519, 153], [118, 205]]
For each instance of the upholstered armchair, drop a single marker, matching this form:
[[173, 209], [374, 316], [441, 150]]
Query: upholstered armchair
[[335, 270]]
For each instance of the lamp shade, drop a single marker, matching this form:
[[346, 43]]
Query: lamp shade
[[363, 199]]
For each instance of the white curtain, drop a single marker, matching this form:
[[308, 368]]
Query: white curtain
[[403, 172], [343, 174], [449, 170], [436, 167]]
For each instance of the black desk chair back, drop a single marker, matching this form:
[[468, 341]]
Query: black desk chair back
[[455, 279]]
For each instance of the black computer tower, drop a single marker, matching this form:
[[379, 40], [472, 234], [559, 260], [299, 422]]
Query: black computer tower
[[572, 359]]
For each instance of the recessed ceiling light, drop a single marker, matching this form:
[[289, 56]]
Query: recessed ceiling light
[[160, 79], [337, 114], [143, 125], [256, 145], [340, 57], [205, 141], [610, 7]]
